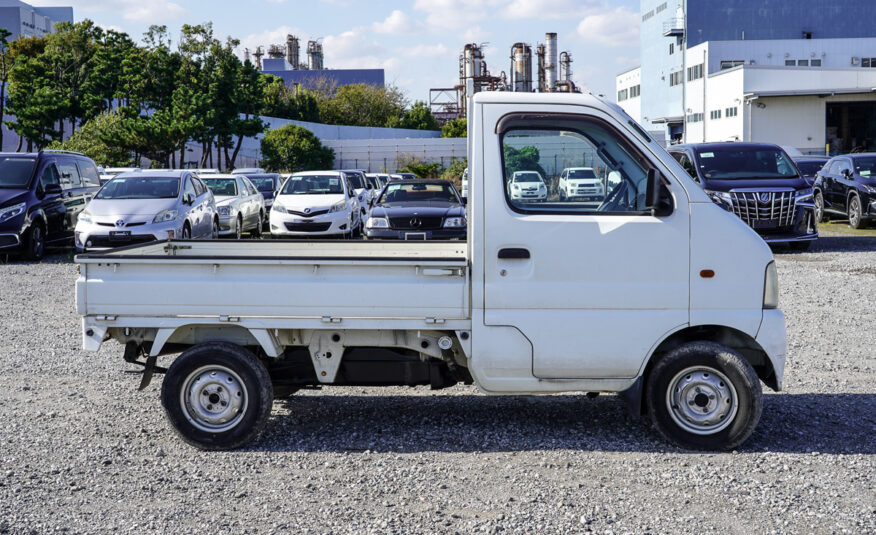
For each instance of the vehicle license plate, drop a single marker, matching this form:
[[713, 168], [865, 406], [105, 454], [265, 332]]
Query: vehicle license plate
[[415, 235], [764, 223], [120, 235]]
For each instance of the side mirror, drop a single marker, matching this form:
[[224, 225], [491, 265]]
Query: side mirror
[[657, 197], [464, 201], [188, 198], [53, 189], [369, 186], [847, 173]]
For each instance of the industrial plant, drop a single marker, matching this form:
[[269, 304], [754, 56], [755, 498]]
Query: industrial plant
[[553, 73], [291, 52]]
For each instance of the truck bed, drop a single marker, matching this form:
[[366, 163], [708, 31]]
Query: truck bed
[[337, 281]]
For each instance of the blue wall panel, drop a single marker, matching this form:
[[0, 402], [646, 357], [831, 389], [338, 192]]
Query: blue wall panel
[[312, 79]]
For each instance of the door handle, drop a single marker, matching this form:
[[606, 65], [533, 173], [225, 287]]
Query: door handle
[[513, 253]]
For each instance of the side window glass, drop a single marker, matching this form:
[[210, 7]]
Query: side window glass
[[89, 174], [69, 174], [845, 165], [835, 167], [689, 167], [200, 188], [603, 173], [189, 188], [50, 175]]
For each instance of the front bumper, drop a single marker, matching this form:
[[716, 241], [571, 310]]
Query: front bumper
[[330, 224], [92, 236], [227, 225], [515, 196], [9, 240], [773, 339], [431, 234]]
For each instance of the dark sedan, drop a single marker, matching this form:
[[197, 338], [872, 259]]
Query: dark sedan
[[417, 210]]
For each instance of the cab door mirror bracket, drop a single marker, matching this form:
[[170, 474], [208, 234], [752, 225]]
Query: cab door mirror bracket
[[657, 196]]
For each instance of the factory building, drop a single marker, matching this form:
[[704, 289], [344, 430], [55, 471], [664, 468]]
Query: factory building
[[799, 73], [285, 61], [24, 20]]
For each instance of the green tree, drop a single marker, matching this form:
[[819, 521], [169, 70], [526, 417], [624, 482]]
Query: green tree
[[410, 163], [522, 159], [363, 105], [455, 128], [99, 139], [454, 172], [280, 101], [294, 148], [419, 117], [248, 98], [7, 60], [35, 101], [106, 77]]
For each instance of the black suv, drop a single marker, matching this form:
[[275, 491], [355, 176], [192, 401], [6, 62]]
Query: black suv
[[41, 195], [759, 183], [846, 186]]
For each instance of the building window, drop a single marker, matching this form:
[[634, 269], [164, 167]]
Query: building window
[[695, 72], [647, 15], [661, 8], [868, 62], [635, 91], [694, 117], [802, 62], [621, 95], [715, 114], [790, 62], [731, 112], [815, 63], [675, 78], [729, 64], [671, 48]]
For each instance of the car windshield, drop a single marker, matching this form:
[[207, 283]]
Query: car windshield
[[417, 192], [373, 181], [526, 177], [355, 180], [140, 187], [582, 173], [222, 187], [313, 185], [262, 183], [809, 168], [15, 172], [735, 162], [866, 166]]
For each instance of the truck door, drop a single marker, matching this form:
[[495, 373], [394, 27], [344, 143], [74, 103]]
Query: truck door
[[592, 285]]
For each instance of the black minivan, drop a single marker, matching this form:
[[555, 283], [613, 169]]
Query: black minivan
[[41, 196], [759, 183]]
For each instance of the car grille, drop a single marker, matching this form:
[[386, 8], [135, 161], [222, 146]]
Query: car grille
[[125, 225], [105, 241], [308, 214], [308, 227], [764, 209], [415, 223]]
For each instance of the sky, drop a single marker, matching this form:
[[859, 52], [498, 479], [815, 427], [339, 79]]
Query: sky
[[417, 42]]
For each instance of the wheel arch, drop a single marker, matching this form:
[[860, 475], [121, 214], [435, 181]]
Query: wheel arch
[[193, 334]]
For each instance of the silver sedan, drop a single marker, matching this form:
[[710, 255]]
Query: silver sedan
[[240, 205]]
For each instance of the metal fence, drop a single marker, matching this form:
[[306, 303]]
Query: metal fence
[[389, 155]]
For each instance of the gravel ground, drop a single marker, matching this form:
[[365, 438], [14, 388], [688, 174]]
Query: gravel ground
[[81, 451]]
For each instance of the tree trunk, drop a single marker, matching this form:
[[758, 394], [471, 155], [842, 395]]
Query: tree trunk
[[182, 157], [29, 145], [210, 152], [218, 156], [20, 143], [204, 149], [229, 164], [2, 110], [236, 150], [173, 159]]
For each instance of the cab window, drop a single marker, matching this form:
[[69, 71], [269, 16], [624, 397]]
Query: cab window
[[50, 176], [69, 174]]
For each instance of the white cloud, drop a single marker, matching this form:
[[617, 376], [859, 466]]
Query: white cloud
[[547, 9], [146, 11], [612, 27], [398, 22], [427, 51], [456, 14]]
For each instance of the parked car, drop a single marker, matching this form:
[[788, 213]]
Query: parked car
[[268, 185], [248, 171], [202, 172], [147, 206], [527, 186], [846, 187], [580, 183], [316, 203], [108, 173], [240, 206], [759, 183], [421, 210], [41, 197], [377, 182], [809, 166], [361, 189], [464, 183], [403, 176]]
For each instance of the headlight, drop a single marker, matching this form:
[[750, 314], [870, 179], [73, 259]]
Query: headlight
[[339, 206], [541, 187], [277, 207], [12, 211], [84, 216], [721, 198], [771, 287], [377, 222], [224, 210], [454, 222], [165, 215], [515, 186], [868, 188], [806, 194]]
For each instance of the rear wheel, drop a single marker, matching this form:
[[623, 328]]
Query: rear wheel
[[703, 395], [855, 219], [820, 215], [34, 242], [187, 232], [257, 231], [217, 396]]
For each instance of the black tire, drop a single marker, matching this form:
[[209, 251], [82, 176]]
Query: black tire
[[257, 231], [34, 242], [203, 370], [238, 230], [855, 219], [688, 372], [562, 195], [820, 215], [214, 235], [187, 231]]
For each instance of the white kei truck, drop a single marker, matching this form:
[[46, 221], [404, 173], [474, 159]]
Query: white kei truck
[[653, 292]]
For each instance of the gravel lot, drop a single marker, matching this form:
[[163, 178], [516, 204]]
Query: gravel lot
[[81, 451]]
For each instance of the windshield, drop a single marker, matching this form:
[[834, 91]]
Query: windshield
[[355, 180], [809, 168], [526, 177], [866, 166], [140, 187], [15, 172], [582, 173], [416, 192], [222, 187], [735, 162], [313, 185], [373, 181], [263, 183]]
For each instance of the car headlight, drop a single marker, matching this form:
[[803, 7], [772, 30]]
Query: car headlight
[[721, 198], [454, 222], [12, 211], [868, 188], [806, 194], [224, 210], [165, 215], [377, 222], [277, 207], [771, 287], [541, 187], [339, 206], [515, 186], [84, 216]]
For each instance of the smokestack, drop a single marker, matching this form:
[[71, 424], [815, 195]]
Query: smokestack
[[292, 51], [550, 67]]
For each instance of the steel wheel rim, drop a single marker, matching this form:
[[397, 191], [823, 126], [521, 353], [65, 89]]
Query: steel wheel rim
[[214, 399], [819, 207], [853, 211], [701, 400]]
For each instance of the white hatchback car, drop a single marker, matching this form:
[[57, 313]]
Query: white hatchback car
[[580, 182], [316, 203], [527, 186]]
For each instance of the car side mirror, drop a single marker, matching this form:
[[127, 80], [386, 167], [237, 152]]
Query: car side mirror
[[369, 186], [657, 196], [847, 173], [188, 198], [52, 189], [464, 201]]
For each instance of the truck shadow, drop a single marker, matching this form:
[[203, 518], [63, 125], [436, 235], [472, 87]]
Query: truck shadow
[[843, 244], [791, 423]]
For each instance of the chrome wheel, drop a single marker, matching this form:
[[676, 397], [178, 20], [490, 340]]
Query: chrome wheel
[[854, 212], [701, 400], [819, 208], [214, 399]]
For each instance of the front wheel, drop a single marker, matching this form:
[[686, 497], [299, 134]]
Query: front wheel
[[238, 229], [257, 231], [855, 219], [705, 396], [217, 396], [34, 242], [820, 216], [187, 232], [214, 233]]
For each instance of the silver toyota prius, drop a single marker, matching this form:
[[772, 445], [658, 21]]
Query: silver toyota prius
[[147, 206]]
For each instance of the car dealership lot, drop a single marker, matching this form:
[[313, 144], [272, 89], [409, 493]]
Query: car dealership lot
[[84, 452]]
